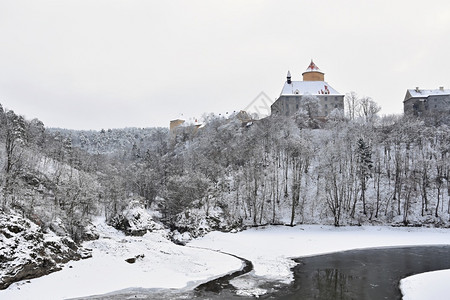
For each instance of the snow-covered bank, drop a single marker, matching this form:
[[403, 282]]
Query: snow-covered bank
[[271, 248], [165, 265], [158, 264], [430, 285]]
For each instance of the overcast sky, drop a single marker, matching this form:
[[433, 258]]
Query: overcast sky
[[111, 64]]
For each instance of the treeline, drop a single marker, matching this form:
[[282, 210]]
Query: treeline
[[357, 170], [59, 181], [391, 170]]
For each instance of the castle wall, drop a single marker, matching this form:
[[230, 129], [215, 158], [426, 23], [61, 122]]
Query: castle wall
[[420, 106], [289, 105]]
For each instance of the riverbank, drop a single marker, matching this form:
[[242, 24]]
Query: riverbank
[[271, 248], [153, 262], [429, 285], [158, 263]]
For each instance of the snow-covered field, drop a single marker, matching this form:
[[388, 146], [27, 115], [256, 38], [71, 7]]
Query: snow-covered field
[[166, 265]]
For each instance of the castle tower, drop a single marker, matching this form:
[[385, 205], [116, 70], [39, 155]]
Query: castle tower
[[292, 95], [313, 73]]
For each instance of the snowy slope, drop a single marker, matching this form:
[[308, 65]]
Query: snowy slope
[[158, 264]]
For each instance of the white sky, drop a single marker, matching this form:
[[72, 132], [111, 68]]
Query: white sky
[[108, 64]]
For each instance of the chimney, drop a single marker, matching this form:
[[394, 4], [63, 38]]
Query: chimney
[[417, 89], [441, 88], [289, 78]]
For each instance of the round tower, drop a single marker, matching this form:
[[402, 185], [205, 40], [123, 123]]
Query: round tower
[[313, 73]]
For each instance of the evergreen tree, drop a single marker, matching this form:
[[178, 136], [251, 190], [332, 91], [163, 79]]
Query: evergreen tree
[[365, 165]]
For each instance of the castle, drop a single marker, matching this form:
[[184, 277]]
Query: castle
[[313, 84], [422, 102]]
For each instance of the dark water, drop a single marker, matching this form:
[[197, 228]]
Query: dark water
[[362, 274], [356, 274]]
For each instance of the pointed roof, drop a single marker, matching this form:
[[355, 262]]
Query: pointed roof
[[313, 68], [289, 74]]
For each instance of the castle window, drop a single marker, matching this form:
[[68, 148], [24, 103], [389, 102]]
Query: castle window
[[335, 106], [326, 105], [336, 98], [326, 98], [296, 106]]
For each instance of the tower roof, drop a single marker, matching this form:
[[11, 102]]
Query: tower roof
[[313, 68], [313, 73]]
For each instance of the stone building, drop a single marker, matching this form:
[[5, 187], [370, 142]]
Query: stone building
[[421, 102], [313, 84]]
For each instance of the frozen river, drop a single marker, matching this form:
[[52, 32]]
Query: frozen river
[[354, 274]]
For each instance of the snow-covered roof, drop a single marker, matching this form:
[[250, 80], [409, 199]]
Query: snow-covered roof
[[419, 93], [308, 87]]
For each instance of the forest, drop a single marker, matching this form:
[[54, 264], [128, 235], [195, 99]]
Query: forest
[[356, 168]]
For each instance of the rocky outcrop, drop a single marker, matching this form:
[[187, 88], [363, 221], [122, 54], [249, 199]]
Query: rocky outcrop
[[27, 252], [198, 223], [134, 221]]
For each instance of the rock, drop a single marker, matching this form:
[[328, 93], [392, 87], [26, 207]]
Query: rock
[[25, 252], [14, 228], [90, 233], [58, 228], [85, 253], [136, 232], [6, 234], [69, 243], [181, 239], [131, 260], [135, 221], [32, 269]]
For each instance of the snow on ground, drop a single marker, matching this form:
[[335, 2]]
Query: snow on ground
[[430, 285], [271, 248], [159, 264], [165, 265]]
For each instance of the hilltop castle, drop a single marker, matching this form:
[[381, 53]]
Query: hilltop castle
[[313, 84], [422, 102]]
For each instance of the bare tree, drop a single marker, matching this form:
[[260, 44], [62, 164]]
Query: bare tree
[[352, 104], [368, 109]]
